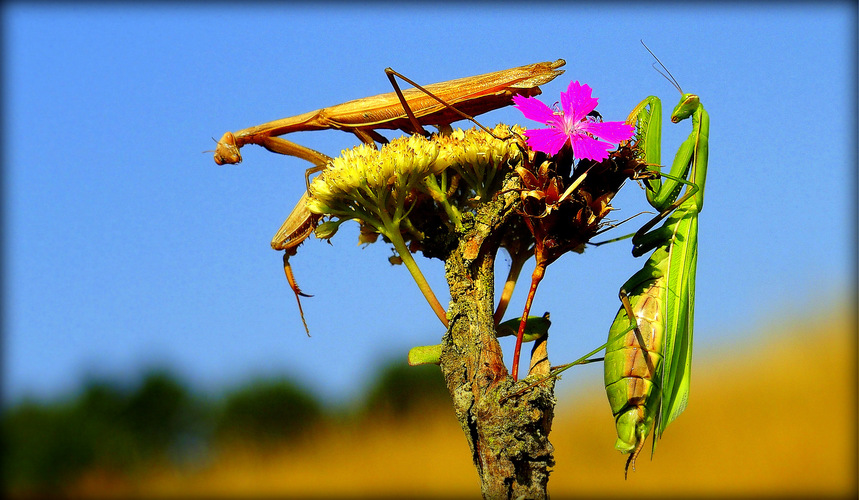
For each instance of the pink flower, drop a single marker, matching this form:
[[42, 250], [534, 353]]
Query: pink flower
[[572, 124]]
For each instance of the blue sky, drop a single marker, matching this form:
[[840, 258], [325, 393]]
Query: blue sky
[[126, 247]]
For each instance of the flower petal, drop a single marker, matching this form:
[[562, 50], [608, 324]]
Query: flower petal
[[614, 132], [572, 124], [577, 101], [586, 147], [533, 109], [547, 140]]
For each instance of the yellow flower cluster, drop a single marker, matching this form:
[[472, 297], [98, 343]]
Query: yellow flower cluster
[[381, 187], [364, 172], [479, 152]]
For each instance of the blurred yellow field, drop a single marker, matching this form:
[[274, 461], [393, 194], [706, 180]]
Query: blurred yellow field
[[776, 420], [773, 417]]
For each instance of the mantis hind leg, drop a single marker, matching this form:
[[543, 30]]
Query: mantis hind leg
[[633, 324], [370, 136], [418, 129]]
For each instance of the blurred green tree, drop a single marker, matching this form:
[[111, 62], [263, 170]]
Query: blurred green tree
[[266, 412], [400, 389], [48, 444]]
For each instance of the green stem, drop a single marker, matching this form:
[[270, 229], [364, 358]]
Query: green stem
[[411, 229], [438, 193], [413, 268], [453, 214], [392, 232]]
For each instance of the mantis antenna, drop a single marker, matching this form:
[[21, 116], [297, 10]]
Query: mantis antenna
[[671, 80]]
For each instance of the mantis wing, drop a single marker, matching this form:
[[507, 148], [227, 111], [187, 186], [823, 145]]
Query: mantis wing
[[679, 305]]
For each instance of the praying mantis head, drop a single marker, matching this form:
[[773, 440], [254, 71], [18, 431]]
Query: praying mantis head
[[685, 108]]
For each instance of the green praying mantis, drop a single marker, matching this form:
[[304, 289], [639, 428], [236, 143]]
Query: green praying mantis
[[647, 366], [649, 353]]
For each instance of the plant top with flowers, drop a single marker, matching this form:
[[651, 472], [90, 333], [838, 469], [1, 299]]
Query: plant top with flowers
[[461, 195]]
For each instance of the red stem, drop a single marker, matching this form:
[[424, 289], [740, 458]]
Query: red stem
[[536, 277]]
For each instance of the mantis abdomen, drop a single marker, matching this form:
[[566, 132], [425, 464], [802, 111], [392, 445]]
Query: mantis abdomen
[[631, 373]]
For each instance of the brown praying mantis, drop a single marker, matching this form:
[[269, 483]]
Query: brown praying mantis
[[438, 104]]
